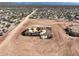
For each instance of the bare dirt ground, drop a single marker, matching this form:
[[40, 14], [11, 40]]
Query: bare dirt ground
[[60, 44], [13, 43]]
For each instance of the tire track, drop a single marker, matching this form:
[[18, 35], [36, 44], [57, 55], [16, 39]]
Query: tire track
[[16, 32]]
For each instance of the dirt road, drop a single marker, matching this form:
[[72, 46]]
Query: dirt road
[[61, 43]]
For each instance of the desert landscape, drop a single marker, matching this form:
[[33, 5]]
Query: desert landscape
[[13, 43]]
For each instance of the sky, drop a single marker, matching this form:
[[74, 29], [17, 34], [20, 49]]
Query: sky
[[47, 3], [39, 3]]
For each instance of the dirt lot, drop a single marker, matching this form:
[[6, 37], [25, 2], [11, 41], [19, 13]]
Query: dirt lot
[[61, 43], [13, 43]]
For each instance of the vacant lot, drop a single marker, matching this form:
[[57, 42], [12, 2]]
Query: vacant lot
[[61, 43]]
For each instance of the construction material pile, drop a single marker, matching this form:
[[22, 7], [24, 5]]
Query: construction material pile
[[73, 30], [42, 32]]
